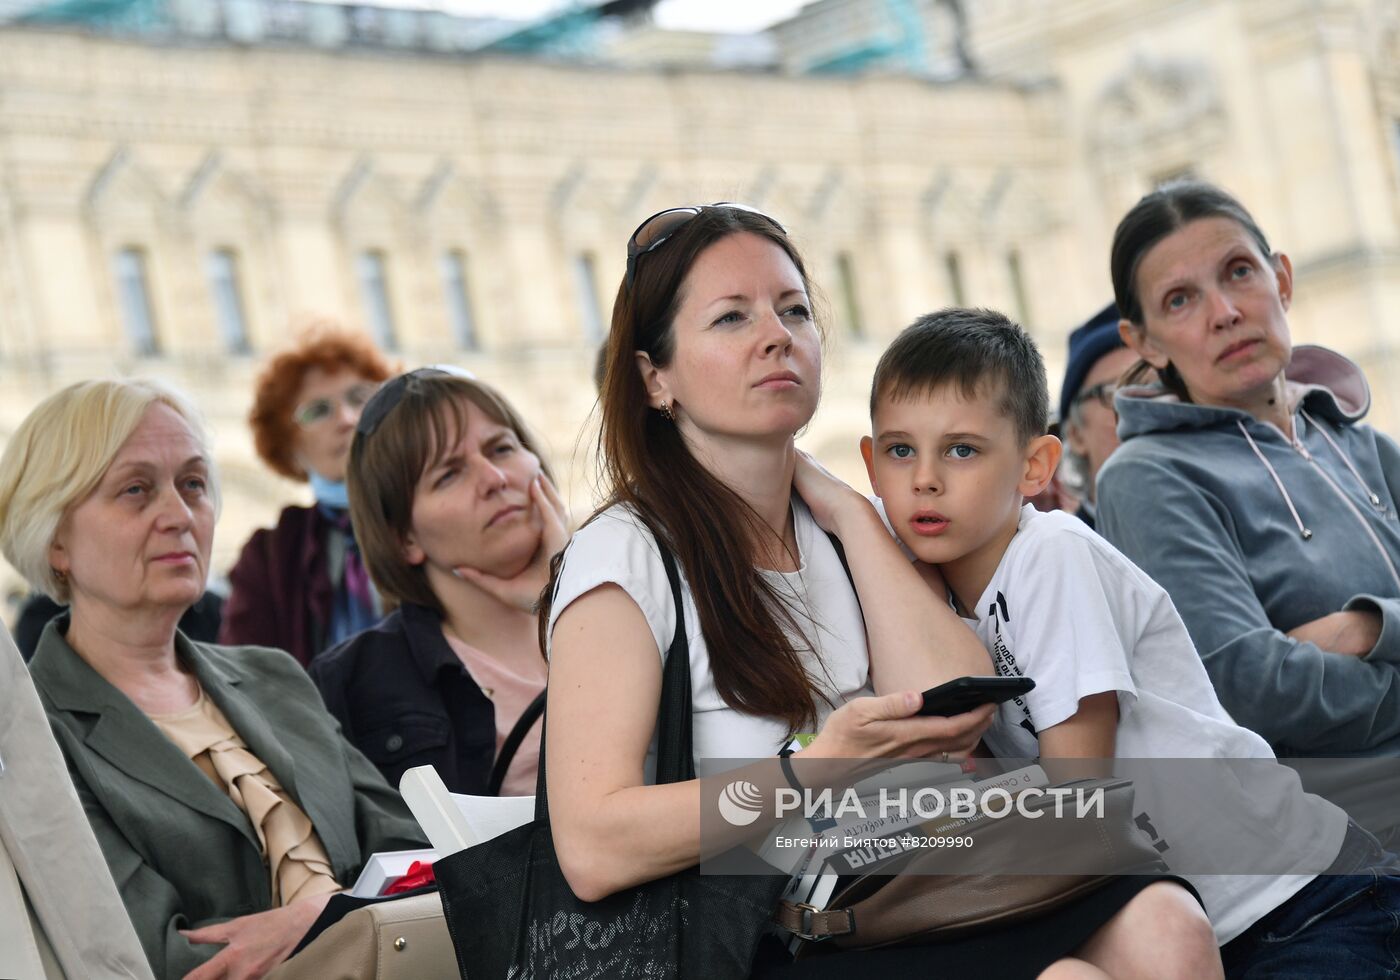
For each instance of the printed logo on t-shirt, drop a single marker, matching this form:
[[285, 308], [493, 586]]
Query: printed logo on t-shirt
[[1003, 660]]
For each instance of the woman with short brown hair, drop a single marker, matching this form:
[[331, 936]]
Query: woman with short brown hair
[[458, 518]]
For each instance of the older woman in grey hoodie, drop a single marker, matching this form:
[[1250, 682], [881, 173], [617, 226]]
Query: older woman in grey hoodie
[[1247, 486]]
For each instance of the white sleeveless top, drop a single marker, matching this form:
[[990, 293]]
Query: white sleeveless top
[[617, 548]]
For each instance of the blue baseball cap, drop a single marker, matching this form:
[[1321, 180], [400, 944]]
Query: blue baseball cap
[[1087, 344]]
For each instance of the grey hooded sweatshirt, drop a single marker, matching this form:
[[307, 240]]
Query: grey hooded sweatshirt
[[1253, 535]]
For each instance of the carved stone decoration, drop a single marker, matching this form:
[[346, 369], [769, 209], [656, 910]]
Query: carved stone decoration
[[215, 179], [453, 195], [1013, 210], [582, 215], [823, 195], [124, 192], [934, 194], [764, 182], [650, 189], [566, 189], [1155, 102], [952, 206], [639, 188], [788, 201], [838, 212], [366, 202], [350, 185]]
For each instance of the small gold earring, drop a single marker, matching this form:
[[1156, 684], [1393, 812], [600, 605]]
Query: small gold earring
[[666, 412], [59, 577]]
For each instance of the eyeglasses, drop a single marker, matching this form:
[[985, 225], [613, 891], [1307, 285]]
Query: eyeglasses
[[1102, 393], [387, 398], [651, 233], [317, 410]]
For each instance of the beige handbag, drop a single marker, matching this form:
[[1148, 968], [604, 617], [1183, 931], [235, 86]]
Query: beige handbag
[[902, 903], [402, 940]]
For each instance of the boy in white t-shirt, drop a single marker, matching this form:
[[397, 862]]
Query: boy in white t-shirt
[[959, 407]]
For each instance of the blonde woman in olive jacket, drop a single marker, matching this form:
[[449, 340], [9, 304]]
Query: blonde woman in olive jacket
[[227, 805]]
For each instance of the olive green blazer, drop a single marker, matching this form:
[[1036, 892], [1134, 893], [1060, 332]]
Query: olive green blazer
[[182, 853]]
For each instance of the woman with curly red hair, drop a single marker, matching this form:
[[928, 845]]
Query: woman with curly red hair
[[301, 586]]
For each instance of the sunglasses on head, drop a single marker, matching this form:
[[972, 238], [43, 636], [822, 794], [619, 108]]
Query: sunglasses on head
[[387, 398], [654, 231]]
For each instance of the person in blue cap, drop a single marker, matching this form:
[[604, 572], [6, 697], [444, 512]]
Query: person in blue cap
[[1088, 423]]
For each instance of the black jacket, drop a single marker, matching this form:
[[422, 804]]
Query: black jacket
[[280, 591], [404, 699]]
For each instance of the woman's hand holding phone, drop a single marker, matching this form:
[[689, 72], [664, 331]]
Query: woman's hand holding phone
[[965, 693], [890, 727]]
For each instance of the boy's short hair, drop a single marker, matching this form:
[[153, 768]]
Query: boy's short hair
[[969, 348]]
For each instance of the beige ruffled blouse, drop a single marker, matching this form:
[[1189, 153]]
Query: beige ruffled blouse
[[288, 842]]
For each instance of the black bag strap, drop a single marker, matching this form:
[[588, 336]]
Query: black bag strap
[[521, 728], [841, 556], [675, 754], [675, 758]]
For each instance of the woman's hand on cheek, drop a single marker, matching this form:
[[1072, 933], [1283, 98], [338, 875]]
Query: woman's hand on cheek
[[254, 944], [829, 498], [523, 589], [554, 515]]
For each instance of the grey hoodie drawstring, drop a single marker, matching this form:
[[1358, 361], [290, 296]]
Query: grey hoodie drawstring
[[1371, 495], [1307, 535]]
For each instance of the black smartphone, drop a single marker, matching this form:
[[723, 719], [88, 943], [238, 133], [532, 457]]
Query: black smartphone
[[966, 693]]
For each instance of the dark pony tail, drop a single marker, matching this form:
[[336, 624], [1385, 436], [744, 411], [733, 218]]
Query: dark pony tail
[[1168, 377]]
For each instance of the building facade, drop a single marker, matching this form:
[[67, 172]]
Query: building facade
[[175, 206]]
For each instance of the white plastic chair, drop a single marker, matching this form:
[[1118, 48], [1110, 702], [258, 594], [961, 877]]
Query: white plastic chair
[[452, 821]]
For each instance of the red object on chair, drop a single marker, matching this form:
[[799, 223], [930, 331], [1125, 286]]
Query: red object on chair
[[417, 876]]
